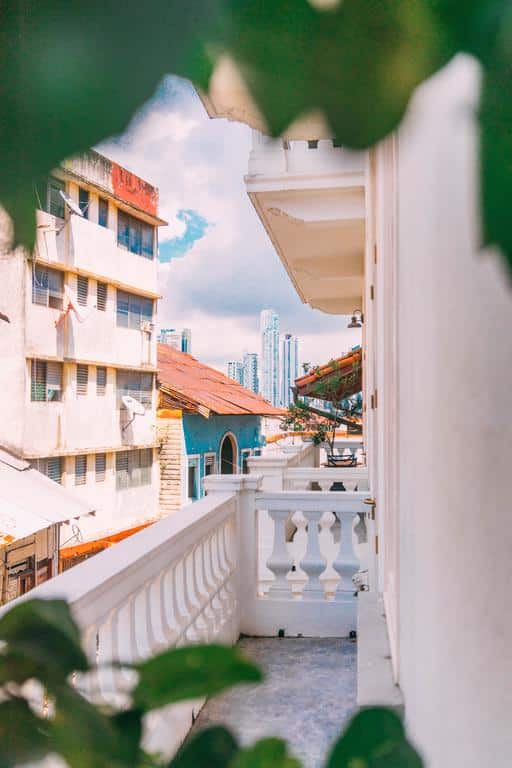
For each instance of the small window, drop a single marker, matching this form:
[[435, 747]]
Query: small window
[[101, 296], [82, 290], [80, 469], [100, 466], [209, 464], [193, 492], [101, 381], [122, 473], [135, 235], [83, 201], [133, 468], [137, 384], [54, 200], [103, 212], [82, 379], [47, 287], [45, 381], [51, 467], [132, 310], [246, 454], [313, 144]]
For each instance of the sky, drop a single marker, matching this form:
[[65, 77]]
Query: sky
[[218, 268]]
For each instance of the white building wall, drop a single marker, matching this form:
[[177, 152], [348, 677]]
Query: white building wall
[[454, 312]]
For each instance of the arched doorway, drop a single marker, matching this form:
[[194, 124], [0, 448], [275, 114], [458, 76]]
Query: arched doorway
[[228, 455]]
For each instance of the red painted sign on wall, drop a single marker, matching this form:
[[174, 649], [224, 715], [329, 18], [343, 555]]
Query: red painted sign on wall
[[132, 189]]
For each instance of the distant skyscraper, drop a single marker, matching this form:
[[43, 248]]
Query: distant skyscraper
[[181, 340], [236, 371], [251, 371], [289, 367], [269, 382]]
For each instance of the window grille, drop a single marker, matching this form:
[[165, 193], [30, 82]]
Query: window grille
[[83, 201], [45, 381], [47, 287], [103, 212], [209, 464], [133, 309], [101, 381], [54, 200], [137, 384], [80, 469], [133, 468], [101, 296], [82, 379], [100, 465], [51, 467], [135, 235], [82, 290]]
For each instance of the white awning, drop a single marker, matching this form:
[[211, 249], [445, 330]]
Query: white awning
[[30, 501]]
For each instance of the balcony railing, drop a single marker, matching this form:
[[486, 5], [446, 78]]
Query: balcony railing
[[197, 576]]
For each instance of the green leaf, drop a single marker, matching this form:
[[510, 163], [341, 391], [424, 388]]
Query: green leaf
[[73, 74], [191, 673], [128, 725], [267, 753], [212, 748], [374, 738], [496, 143], [42, 640], [23, 736], [83, 735]]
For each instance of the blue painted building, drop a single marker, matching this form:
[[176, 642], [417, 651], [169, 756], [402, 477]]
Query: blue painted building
[[208, 424]]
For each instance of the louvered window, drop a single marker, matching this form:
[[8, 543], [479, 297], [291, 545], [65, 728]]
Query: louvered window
[[47, 287], [51, 467], [133, 309], [135, 235], [133, 468], [82, 290], [100, 465], [101, 381], [101, 296], [82, 379], [80, 469], [83, 202], [137, 384], [103, 212], [45, 381]]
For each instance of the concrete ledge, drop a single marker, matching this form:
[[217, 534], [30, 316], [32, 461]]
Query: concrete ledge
[[375, 684]]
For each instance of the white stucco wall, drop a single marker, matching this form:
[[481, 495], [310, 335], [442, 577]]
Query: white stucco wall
[[455, 440]]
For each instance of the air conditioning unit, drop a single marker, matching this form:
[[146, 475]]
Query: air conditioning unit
[[146, 326]]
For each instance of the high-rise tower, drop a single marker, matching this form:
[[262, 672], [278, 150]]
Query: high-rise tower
[[269, 383], [289, 367], [251, 371]]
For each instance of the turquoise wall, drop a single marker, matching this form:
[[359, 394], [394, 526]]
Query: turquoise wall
[[205, 435]]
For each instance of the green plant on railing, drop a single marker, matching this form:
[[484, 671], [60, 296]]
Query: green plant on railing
[[74, 73], [40, 646]]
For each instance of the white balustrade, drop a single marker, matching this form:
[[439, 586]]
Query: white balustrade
[[305, 478]]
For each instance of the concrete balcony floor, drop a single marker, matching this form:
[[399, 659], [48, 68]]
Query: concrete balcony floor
[[307, 697]]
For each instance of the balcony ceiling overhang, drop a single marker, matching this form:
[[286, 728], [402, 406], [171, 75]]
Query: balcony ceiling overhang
[[319, 235]]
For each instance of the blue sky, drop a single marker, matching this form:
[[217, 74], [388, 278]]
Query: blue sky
[[218, 268]]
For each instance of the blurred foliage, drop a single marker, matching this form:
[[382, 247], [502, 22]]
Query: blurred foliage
[[74, 73], [42, 712]]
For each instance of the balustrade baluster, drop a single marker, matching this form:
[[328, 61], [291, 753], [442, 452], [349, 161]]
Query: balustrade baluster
[[313, 563], [346, 563], [279, 562]]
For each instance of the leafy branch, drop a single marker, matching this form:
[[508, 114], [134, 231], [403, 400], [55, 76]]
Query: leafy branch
[[39, 641]]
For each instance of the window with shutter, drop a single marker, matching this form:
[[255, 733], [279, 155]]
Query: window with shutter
[[122, 473], [82, 290], [101, 381], [83, 201], [103, 212], [47, 287], [45, 381], [101, 296], [100, 466], [80, 469], [51, 467], [54, 200], [82, 379]]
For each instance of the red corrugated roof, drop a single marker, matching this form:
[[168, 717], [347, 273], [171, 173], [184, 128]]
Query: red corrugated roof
[[189, 384], [347, 370]]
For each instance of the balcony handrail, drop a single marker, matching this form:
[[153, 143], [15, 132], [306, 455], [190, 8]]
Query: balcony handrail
[[313, 501]]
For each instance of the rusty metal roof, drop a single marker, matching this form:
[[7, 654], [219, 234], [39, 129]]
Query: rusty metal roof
[[345, 371], [194, 387]]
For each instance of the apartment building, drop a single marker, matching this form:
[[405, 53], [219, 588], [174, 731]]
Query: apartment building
[[80, 338]]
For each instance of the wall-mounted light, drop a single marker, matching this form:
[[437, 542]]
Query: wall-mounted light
[[357, 319]]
